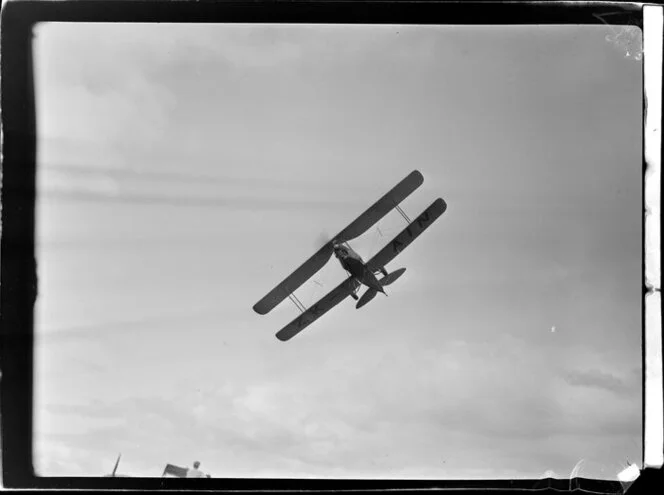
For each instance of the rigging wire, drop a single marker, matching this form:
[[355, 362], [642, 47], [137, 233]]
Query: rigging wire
[[314, 291]]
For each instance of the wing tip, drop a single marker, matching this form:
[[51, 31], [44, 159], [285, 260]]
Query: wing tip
[[443, 204], [258, 308], [417, 175]]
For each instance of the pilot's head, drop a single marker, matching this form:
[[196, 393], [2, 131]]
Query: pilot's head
[[196, 464], [340, 251]]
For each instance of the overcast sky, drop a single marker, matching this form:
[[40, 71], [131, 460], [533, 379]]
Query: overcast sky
[[185, 170]]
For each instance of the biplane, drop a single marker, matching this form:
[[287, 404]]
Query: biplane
[[359, 272]]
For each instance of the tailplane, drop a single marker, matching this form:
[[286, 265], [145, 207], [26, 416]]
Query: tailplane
[[366, 297], [391, 277], [386, 280]]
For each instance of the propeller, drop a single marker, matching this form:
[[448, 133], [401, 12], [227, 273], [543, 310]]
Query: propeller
[[323, 238]]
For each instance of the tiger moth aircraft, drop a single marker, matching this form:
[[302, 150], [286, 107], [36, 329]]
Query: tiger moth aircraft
[[359, 272]]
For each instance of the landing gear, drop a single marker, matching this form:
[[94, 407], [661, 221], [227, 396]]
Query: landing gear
[[355, 290]]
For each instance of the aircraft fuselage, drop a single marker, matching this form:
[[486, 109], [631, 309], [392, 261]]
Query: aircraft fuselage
[[353, 264]]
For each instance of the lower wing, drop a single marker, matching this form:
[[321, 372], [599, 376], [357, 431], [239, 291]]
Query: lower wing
[[407, 235], [334, 297]]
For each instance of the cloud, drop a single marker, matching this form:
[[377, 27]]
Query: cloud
[[89, 194], [90, 93], [598, 379], [353, 415]]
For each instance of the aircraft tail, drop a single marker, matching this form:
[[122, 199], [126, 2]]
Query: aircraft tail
[[366, 297], [386, 280], [391, 277]]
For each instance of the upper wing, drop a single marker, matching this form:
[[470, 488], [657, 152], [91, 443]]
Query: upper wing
[[406, 236], [381, 207], [363, 223], [334, 297], [294, 280]]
